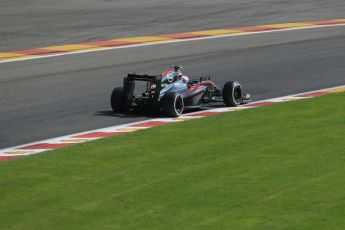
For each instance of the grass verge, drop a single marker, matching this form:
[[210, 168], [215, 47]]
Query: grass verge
[[274, 167]]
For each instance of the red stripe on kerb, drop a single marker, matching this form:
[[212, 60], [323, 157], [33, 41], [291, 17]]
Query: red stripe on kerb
[[261, 104], [37, 51], [99, 134], [150, 124], [205, 114], [45, 146], [325, 22], [5, 158], [109, 43], [316, 94], [182, 36], [256, 28]]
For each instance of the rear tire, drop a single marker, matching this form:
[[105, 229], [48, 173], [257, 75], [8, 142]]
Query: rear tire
[[172, 104], [232, 93], [118, 100]]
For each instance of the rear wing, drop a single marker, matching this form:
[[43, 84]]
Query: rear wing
[[143, 77], [129, 83]]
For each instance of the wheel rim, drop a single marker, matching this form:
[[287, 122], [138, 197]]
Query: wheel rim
[[179, 104], [237, 94]]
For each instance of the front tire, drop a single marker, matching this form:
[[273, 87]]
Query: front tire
[[172, 104], [232, 93], [118, 100]]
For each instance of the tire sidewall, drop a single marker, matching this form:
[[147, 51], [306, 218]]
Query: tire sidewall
[[178, 98], [118, 101], [236, 84], [169, 104], [229, 93]]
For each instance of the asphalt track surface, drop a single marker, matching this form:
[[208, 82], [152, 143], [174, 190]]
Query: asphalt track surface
[[39, 23], [56, 96]]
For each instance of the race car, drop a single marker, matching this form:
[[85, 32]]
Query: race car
[[173, 93]]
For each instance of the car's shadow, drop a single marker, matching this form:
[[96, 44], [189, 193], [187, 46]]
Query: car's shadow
[[137, 114], [110, 113]]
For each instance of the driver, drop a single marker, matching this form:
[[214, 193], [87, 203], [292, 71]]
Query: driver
[[173, 76]]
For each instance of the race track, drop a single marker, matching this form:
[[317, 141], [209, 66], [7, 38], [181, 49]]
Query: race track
[[56, 96], [40, 23]]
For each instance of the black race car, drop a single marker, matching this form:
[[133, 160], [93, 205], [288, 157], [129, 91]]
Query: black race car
[[172, 92]]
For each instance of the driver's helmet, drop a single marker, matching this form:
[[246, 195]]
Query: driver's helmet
[[174, 74], [180, 75]]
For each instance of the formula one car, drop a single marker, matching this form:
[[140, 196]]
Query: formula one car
[[172, 92]]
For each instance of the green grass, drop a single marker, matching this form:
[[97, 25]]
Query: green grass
[[275, 167]]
